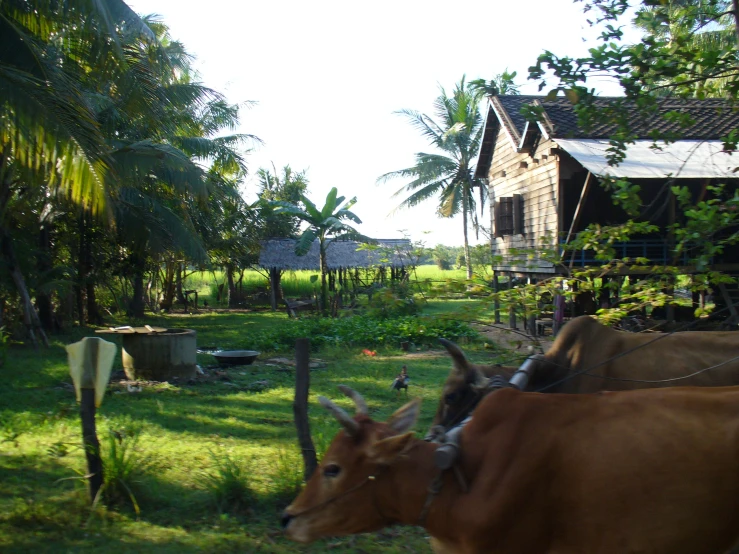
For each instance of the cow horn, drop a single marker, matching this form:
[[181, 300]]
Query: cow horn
[[351, 426], [461, 366], [359, 402]]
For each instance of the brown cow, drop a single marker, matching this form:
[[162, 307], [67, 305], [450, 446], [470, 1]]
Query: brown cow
[[650, 471], [584, 343]]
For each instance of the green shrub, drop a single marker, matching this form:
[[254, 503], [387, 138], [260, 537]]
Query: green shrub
[[228, 482], [361, 330], [123, 466], [393, 301], [286, 476]]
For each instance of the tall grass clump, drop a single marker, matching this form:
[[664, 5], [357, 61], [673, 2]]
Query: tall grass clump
[[228, 483], [123, 467], [286, 476]]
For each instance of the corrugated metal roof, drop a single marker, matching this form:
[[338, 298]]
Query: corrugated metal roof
[[683, 159]]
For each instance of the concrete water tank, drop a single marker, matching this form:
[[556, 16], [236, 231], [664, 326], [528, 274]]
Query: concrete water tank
[[157, 354]]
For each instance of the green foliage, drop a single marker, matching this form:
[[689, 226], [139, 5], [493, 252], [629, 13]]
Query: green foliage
[[449, 172], [123, 466], [361, 331], [393, 301], [325, 225], [286, 475], [288, 186], [502, 83], [710, 224], [228, 483], [688, 49]]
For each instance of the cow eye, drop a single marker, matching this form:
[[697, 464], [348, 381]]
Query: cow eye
[[331, 470], [450, 398]]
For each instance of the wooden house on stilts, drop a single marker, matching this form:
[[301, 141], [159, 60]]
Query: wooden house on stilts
[[543, 179]]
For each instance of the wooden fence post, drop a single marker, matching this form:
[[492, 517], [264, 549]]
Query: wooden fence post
[[300, 405]]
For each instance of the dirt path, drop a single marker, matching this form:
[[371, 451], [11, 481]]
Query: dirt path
[[509, 339]]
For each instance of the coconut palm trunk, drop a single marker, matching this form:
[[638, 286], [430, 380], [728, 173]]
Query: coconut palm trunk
[[449, 171], [324, 271], [465, 214]]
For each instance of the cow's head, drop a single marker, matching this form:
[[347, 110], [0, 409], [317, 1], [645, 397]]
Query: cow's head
[[341, 496], [464, 387]]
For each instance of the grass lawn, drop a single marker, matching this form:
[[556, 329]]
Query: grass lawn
[[189, 441]]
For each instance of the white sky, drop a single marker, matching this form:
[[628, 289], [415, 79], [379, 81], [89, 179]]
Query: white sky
[[327, 76]]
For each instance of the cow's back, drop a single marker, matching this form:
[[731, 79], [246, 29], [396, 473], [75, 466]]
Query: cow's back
[[617, 360], [641, 471]]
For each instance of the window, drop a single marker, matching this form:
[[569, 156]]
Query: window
[[508, 216]]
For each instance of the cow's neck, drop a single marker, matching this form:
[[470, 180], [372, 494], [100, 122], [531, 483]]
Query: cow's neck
[[406, 493]]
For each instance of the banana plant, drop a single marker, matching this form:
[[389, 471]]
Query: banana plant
[[325, 225]]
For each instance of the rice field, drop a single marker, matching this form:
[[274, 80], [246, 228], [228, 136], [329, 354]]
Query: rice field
[[298, 283]]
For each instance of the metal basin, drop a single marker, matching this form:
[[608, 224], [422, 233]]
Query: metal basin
[[235, 357]]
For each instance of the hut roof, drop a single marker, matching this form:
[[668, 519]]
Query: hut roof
[[280, 254]]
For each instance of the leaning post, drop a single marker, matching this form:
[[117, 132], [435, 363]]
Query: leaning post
[[90, 364], [300, 405]]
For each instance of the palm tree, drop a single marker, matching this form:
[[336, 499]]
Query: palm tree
[[48, 133], [170, 156], [326, 225], [450, 173], [701, 30]]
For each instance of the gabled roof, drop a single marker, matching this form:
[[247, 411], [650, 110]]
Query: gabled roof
[[712, 119], [280, 254]]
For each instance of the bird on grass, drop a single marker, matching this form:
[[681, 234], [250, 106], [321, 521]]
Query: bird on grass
[[401, 381]]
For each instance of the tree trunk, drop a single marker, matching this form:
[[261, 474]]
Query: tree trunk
[[274, 279], [232, 296], [178, 284], [81, 273], [43, 265], [465, 203], [30, 316], [93, 314], [168, 287], [300, 406], [137, 305], [324, 285]]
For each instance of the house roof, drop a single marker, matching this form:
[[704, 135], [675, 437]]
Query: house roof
[[280, 254], [712, 119]]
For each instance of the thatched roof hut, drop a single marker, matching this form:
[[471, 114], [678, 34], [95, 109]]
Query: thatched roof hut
[[341, 254]]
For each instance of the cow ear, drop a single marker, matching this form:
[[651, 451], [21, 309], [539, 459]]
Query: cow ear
[[462, 367], [386, 451], [405, 418]]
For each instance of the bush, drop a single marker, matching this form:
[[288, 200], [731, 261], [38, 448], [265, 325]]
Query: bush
[[123, 465], [362, 330], [286, 477], [393, 301], [228, 484]]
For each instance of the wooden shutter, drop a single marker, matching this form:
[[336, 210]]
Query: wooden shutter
[[518, 228], [496, 220]]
